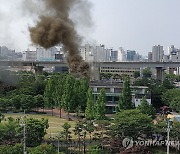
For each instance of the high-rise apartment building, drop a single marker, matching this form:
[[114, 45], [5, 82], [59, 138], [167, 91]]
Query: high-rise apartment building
[[95, 54], [29, 55], [87, 52], [114, 56], [46, 54], [131, 55], [157, 53], [149, 56], [121, 55], [7, 54]]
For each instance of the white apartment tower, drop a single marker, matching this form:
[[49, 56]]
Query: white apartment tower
[[157, 53], [87, 52], [121, 55], [95, 54], [46, 55]]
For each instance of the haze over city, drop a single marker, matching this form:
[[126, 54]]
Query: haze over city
[[131, 24]]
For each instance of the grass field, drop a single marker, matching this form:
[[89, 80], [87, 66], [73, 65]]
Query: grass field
[[55, 123]]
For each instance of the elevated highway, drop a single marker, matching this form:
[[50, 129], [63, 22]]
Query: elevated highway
[[39, 65]]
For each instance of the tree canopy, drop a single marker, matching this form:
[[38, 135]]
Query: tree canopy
[[125, 101]]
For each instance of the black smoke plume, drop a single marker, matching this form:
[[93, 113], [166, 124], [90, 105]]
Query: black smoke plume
[[56, 27]]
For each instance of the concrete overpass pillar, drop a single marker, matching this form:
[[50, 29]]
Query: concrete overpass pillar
[[178, 71], [160, 73], [38, 70]]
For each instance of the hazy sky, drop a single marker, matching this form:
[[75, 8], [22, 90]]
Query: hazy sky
[[137, 24], [131, 24]]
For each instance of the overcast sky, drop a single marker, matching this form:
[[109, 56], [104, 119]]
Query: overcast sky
[[137, 24], [131, 24]]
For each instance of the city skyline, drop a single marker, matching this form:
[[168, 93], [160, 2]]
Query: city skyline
[[131, 24]]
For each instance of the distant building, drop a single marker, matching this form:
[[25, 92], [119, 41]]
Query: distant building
[[121, 55], [113, 92], [157, 53], [119, 70], [29, 55], [87, 52], [101, 54], [7, 54], [59, 56], [95, 54], [46, 54], [172, 50], [149, 56], [114, 56], [131, 55]]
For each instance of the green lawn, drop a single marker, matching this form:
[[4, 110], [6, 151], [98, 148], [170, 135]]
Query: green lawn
[[55, 123]]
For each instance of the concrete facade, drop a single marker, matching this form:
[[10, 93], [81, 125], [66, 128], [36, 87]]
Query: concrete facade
[[29, 55], [113, 92], [121, 55], [157, 53]]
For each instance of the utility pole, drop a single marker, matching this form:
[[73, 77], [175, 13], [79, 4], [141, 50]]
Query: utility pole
[[168, 131], [24, 133], [59, 137]]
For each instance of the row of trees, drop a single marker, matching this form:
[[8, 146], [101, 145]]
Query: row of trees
[[67, 92]]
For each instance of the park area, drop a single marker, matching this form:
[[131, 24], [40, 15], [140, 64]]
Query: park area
[[55, 123]]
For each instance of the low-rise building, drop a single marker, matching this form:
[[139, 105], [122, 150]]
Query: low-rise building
[[114, 90], [120, 71]]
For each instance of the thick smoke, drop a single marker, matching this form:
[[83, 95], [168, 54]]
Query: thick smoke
[[56, 27]]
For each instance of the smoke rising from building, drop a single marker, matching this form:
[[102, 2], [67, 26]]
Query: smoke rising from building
[[56, 27]]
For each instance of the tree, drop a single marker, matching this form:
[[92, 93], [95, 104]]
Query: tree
[[39, 85], [58, 92], [66, 132], [175, 103], [136, 74], [35, 131], [105, 76], [84, 86], [76, 97], [175, 132], [169, 95], [48, 94], [42, 149], [100, 106], [27, 102], [147, 73], [146, 108], [89, 127], [101, 129], [16, 101], [78, 131], [67, 99], [131, 123], [23, 102], [89, 113], [39, 101], [8, 132], [4, 103], [168, 84], [155, 88], [125, 101], [7, 149]]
